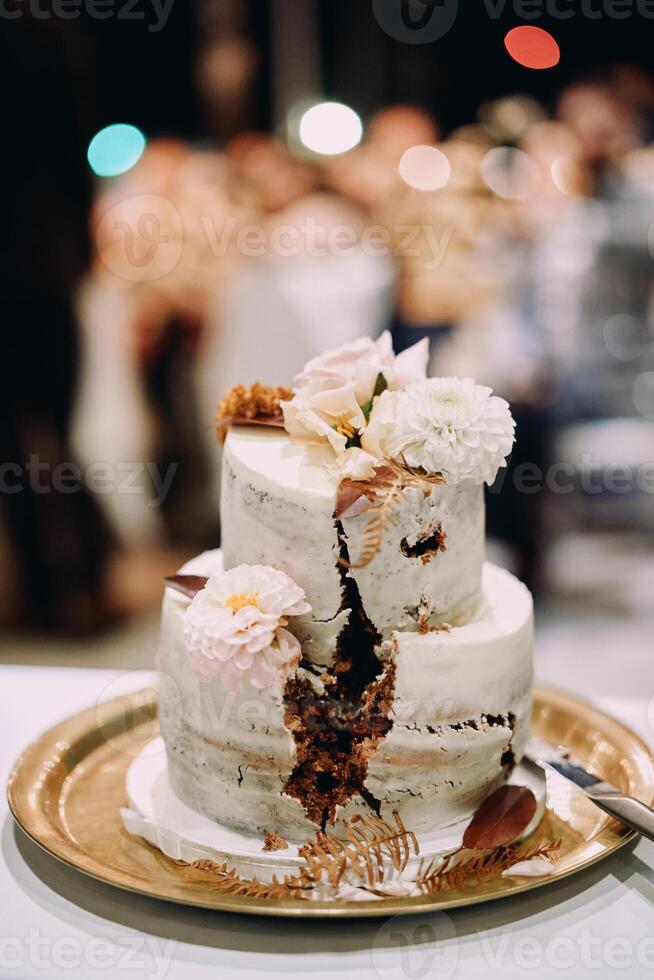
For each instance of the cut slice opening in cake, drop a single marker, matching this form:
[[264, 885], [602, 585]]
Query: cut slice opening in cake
[[338, 724], [427, 546]]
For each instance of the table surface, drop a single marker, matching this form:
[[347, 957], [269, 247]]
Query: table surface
[[60, 924]]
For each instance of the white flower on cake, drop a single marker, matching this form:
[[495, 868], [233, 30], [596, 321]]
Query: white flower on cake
[[443, 425], [319, 411], [356, 464], [334, 393], [235, 625]]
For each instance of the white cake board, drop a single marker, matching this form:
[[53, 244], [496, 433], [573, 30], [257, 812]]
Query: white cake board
[[160, 818]]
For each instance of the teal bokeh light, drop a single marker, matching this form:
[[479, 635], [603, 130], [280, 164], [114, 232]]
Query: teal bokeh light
[[115, 149]]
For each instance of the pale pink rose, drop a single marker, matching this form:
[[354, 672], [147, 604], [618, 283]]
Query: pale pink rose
[[333, 388], [234, 627], [360, 362]]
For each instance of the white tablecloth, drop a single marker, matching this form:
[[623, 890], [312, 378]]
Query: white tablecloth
[[57, 923]]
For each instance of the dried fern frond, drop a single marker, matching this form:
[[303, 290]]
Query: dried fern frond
[[227, 881], [368, 842], [385, 494], [254, 405], [479, 866]]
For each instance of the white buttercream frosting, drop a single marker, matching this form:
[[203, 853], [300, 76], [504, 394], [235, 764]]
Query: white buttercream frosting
[[278, 504]]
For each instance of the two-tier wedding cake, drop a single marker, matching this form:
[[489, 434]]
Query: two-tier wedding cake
[[350, 650]]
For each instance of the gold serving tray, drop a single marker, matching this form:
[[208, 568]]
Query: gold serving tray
[[67, 788]]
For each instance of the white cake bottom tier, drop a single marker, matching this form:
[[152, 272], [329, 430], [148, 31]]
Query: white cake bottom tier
[[460, 716]]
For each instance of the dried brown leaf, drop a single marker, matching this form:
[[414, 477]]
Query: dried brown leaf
[[188, 585], [274, 421], [501, 818], [353, 497]]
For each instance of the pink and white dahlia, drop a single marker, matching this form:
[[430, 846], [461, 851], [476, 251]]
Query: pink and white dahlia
[[234, 627]]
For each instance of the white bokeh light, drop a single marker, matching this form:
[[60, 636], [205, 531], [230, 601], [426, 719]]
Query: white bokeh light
[[426, 168], [330, 128], [510, 173]]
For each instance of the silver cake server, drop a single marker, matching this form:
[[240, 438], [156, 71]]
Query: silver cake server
[[630, 811]]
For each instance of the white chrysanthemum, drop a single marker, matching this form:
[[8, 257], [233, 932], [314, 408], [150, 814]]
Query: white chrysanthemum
[[235, 625], [443, 425]]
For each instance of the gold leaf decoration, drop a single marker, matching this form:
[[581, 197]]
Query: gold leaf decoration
[[381, 497], [254, 405], [478, 866]]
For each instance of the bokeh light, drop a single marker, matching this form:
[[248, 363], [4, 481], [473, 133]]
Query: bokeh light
[[115, 149], [425, 168], [510, 173], [532, 47], [564, 174], [509, 119], [330, 128]]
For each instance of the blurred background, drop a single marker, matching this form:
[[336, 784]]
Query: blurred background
[[199, 193]]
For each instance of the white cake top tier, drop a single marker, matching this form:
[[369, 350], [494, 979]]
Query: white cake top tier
[[277, 508], [304, 473], [372, 499]]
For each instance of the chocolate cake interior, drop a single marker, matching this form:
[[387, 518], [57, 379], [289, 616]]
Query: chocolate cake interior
[[336, 731]]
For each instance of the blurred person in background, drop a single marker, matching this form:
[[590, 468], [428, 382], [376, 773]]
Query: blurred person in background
[[570, 340], [592, 280], [159, 260], [594, 263], [212, 269], [435, 233]]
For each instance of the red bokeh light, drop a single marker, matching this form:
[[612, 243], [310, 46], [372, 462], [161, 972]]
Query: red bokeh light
[[532, 47]]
